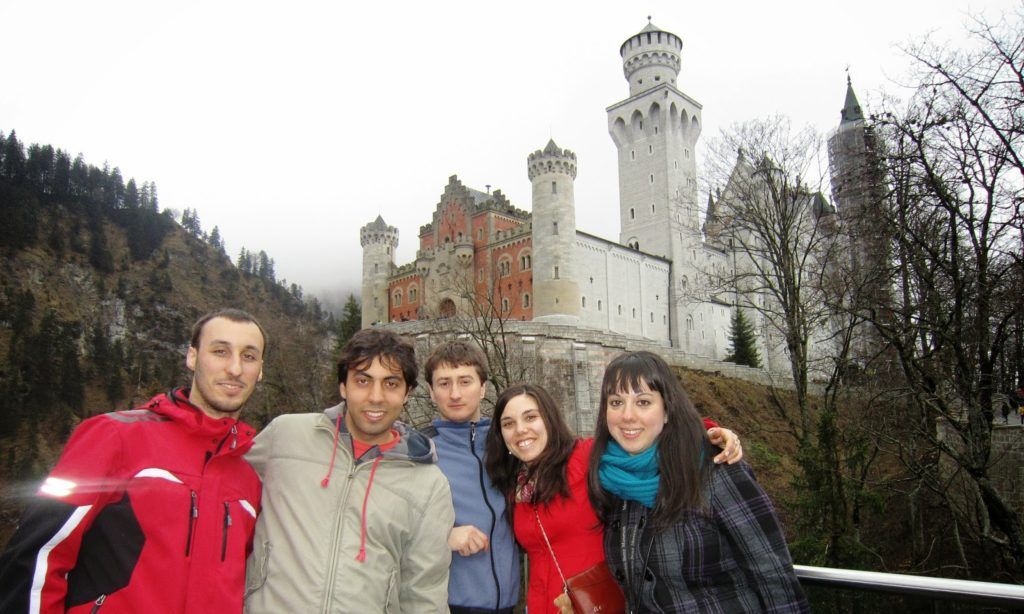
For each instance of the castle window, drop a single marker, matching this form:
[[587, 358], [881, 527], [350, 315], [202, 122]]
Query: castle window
[[641, 121], [526, 300], [650, 149], [686, 153], [556, 273], [632, 154], [480, 274], [375, 267], [459, 238], [505, 266], [397, 298], [689, 322], [675, 165], [504, 305], [652, 177], [652, 317], [479, 234], [554, 187], [657, 78], [525, 262], [682, 282], [652, 207], [412, 295], [620, 310], [554, 227], [632, 213], [634, 313], [599, 304], [655, 130], [664, 319], [584, 299]]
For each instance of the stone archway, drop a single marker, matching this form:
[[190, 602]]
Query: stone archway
[[446, 309]]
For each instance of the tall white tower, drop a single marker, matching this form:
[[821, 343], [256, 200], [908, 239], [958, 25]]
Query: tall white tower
[[379, 242], [655, 131], [552, 172]]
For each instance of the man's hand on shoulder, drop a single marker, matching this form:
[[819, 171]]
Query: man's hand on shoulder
[[467, 540]]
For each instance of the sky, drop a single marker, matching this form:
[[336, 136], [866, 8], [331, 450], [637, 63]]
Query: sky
[[289, 125]]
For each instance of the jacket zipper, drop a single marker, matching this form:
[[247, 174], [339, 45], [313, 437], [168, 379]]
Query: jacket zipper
[[98, 604], [193, 513], [483, 490], [227, 525]]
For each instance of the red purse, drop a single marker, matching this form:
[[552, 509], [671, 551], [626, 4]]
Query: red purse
[[591, 591]]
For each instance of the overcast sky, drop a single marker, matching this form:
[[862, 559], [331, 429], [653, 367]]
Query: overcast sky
[[291, 124]]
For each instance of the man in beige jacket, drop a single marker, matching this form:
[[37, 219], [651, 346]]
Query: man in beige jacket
[[356, 513]]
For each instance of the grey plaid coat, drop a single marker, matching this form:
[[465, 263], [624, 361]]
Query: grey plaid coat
[[729, 557]]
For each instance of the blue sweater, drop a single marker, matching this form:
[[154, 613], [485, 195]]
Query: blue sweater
[[488, 579]]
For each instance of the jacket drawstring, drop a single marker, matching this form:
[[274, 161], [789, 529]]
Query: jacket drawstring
[[334, 451], [362, 520]]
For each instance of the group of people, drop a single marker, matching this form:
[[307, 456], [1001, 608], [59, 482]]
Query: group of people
[[178, 506]]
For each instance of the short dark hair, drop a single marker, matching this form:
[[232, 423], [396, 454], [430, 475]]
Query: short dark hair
[[371, 343], [456, 354], [549, 469], [228, 313]]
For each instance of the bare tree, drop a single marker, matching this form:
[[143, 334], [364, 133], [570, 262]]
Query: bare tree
[[781, 238], [955, 178]]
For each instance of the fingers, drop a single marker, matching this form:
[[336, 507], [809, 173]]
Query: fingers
[[730, 441]]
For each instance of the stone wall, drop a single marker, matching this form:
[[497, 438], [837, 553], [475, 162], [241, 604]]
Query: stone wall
[[568, 361]]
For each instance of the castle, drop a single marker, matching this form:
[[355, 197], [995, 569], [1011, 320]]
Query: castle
[[481, 253]]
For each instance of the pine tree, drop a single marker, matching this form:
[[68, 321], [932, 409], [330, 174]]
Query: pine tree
[[350, 323], [744, 343]]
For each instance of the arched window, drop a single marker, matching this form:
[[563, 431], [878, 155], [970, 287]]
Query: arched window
[[526, 300], [396, 298]]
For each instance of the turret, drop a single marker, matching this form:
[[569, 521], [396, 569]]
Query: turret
[[650, 58], [552, 171], [379, 242]]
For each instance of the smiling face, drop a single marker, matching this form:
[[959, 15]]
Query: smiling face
[[523, 428], [635, 417], [458, 392], [226, 364], [374, 395]]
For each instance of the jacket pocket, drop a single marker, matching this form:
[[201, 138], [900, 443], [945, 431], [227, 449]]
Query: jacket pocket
[[256, 568]]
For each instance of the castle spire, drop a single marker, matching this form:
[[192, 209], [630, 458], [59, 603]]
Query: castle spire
[[851, 109]]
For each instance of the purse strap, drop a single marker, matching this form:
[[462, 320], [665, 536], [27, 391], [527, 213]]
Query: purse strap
[[543, 533]]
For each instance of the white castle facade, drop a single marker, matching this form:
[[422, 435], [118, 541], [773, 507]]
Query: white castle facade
[[480, 250]]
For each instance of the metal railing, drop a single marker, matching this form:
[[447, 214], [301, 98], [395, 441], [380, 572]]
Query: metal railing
[[991, 593]]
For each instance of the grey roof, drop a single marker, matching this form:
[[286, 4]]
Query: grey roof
[[478, 196], [650, 27], [378, 224], [851, 109], [552, 148]]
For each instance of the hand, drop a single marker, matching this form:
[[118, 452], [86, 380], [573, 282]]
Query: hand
[[730, 441], [467, 540], [564, 604]]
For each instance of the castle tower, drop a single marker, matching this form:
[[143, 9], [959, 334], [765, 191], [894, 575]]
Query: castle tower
[[379, 242], [655, 131], [555, 290], [858, 192]]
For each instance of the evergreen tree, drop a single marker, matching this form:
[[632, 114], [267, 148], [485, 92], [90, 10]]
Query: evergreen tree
[[744, 343], [216, 242], [350, 322]]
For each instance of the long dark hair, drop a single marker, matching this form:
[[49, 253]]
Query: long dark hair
[[683, 454], [548, 470]]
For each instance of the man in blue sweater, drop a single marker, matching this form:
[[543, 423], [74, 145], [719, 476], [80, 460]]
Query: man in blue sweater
[[485, 562]]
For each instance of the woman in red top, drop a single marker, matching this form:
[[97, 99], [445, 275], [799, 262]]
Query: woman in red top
[[536, 461]]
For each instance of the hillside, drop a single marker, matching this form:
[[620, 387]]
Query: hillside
[[98, 292]]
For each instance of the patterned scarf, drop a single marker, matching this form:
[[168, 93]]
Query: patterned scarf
[[630, 477], [524, 487]]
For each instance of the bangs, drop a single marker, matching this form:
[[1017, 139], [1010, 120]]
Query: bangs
[[632, 372]]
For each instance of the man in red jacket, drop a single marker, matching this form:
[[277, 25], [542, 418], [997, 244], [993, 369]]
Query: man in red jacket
[[151, 509]]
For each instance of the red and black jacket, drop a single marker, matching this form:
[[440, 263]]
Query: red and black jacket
[[148, 510]]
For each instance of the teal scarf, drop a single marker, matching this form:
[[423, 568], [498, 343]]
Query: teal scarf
[[630, 477]]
